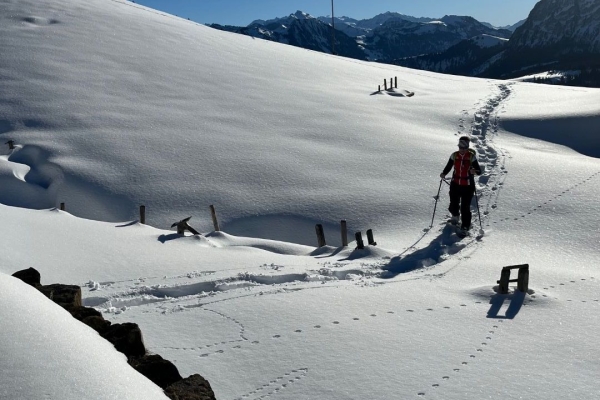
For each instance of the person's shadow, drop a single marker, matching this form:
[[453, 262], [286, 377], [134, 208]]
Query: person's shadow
[[515, 300]]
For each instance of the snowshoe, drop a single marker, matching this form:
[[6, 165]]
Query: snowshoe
[[462, 232]]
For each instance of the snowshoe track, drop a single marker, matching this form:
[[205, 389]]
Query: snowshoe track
[[482, 129]]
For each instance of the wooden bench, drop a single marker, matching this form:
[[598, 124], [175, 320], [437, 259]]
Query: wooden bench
[[522, 279]]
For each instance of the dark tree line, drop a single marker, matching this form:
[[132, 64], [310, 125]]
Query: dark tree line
[[589, 77]]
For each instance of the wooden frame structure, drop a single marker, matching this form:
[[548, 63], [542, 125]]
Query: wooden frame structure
[[522, 279]]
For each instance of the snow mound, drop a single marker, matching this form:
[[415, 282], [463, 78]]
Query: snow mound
[[54, 356]]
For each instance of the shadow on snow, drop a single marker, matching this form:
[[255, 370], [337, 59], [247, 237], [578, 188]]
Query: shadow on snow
[[447, 243], [515, 299]]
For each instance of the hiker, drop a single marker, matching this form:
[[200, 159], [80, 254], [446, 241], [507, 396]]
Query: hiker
[[462, 186]]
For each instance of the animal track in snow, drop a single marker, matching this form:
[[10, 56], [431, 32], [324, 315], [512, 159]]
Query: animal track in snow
[[539, 206], [471, 355], [276, 385], [570, 283]]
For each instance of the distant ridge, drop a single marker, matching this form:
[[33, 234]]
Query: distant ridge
[[557, 35]]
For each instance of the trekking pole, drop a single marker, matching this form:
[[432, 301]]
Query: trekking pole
[[476, 201], [478, 213], [436, 201]]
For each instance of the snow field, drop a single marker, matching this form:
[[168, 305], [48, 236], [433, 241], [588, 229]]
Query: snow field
[[113, 105]]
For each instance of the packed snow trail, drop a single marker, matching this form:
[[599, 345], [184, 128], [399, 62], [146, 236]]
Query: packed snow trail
[[483, 128]]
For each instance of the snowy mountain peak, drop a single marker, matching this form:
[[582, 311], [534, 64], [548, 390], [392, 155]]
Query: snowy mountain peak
[[455, 19], [301, 15]]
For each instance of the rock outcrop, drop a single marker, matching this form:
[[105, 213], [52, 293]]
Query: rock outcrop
[[193, 387], [127, 338], [160, 371]]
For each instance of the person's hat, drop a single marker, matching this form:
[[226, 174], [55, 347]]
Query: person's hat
[[463, 142]]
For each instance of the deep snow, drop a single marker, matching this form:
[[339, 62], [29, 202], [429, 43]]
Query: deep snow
[[112, 105]]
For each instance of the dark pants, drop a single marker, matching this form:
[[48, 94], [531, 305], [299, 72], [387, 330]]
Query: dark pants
[[460, 200]]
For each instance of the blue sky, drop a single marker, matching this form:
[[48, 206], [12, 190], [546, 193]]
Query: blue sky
[[243, 12]]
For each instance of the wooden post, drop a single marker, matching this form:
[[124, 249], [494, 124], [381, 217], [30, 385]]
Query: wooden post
[[523, 279], [62, 206], [385, 84], [396, 82], [320, 235], [370, 238], [344, 233], [213, 213], [379, 88], [504, 278], [143, 215], [11, 144], [359, 242]]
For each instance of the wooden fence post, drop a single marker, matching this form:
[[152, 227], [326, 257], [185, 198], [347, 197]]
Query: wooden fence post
[[213, 213], [379, 88], [143, 215], [62, 206], [523, 279], [503, 282], [370, 238], [359, 242], [344, 233], [11, 144], [385, 84], [320, 235], [396, 82]]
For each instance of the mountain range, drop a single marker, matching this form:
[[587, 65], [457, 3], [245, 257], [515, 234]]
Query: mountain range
[[557, 35], [382, 38]]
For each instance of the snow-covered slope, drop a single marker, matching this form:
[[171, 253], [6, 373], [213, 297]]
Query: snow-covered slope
[[199, 117], [47, 354], [112, 105]]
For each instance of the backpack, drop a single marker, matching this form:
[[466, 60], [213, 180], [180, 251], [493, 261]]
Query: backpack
[[461, 173]]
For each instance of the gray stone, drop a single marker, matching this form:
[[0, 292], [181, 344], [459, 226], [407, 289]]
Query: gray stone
[[64, 295], [193, 387], [30, 276], [80, 312], [160, 371], [99, 324], [127, 338]]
